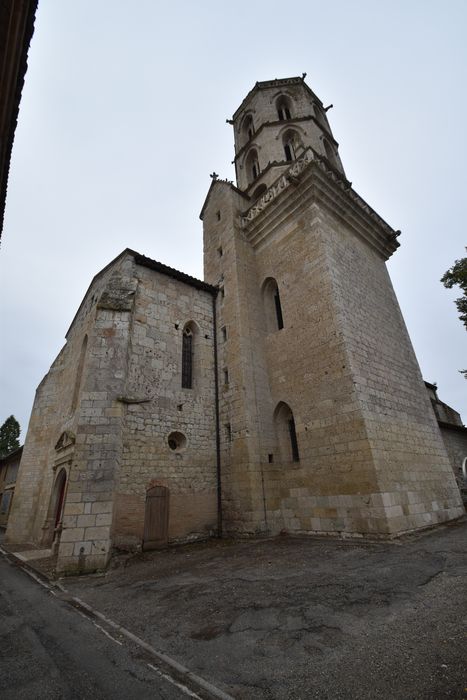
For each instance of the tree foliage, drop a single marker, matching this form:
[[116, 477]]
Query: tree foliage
[[9, 436], [457, 275]]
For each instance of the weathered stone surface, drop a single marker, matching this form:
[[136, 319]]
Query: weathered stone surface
[[324, 421]]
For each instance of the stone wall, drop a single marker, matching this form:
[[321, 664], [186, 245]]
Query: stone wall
[[240, 346], [455, 441], [8, 473], [309, 122], [414, 476], [66, 403], [370, 455], [155, 405]]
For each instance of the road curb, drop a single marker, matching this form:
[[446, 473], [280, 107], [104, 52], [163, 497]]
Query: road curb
[[15, 558], [185, 673], [181, 671]]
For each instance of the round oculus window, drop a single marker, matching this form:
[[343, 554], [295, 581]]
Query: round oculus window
[[176, 441]]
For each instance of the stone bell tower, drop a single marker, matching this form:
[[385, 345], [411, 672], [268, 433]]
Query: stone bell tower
[[325, 422], [273, 127]]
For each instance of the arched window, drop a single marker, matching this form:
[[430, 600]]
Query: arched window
[[283, 108], [52, 527], [187, 358], [247, 128], [79, 373], [330, 153], [59, 497], [252, 165], [272, 306], [286, 433], [291, 143]]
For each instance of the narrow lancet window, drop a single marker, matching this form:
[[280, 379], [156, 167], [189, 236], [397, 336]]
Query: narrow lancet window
[[277, 305], [293, 440], [187, 359], [272, 306], [248, 129], [286, 433], [292, 144], [252, 166], [283, 108]]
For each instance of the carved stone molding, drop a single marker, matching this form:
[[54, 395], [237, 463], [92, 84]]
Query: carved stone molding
[[66, 439], [278, 186]]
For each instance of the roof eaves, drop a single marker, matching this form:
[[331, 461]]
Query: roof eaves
[[261, 85], [213, 183], [18, 64], [14, 453], [171, 272], [153, 265]]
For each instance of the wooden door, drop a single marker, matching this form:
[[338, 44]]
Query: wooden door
[[156, 518]]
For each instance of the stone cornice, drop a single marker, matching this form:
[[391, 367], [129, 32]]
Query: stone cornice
[[277, 82], [452, 426], [311, 178], [264, 125]]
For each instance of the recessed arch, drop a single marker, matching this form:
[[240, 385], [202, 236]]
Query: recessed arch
[[272, 305], [53, 523], [292, 144], [190, 349], [330, 153], [284, 107], [284, 423], [286, 127], [247, 128], [252, 165]]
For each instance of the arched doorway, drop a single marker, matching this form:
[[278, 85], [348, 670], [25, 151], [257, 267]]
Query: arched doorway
[[59, 491], [52, 525]]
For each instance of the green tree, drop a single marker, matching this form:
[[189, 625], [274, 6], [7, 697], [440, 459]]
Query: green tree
[[457, 275], [9, 436]]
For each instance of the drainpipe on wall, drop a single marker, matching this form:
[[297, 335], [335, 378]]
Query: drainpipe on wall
[[218, 437]]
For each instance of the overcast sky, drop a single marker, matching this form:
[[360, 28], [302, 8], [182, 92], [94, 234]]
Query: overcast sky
[[123, 118]]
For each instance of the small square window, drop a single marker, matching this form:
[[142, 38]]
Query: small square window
[[270, 458]]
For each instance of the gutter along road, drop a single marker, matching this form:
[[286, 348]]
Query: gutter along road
[[50, 650]]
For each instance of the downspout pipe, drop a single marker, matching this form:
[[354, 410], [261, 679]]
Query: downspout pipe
[[217, 412]]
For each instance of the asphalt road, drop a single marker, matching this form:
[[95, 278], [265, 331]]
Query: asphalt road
[[301, 618], [49, 650]]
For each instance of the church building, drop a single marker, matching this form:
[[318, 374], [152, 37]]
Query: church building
[[280, 394]]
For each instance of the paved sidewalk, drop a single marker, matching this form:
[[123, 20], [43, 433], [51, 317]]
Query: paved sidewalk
[[303, 618]]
